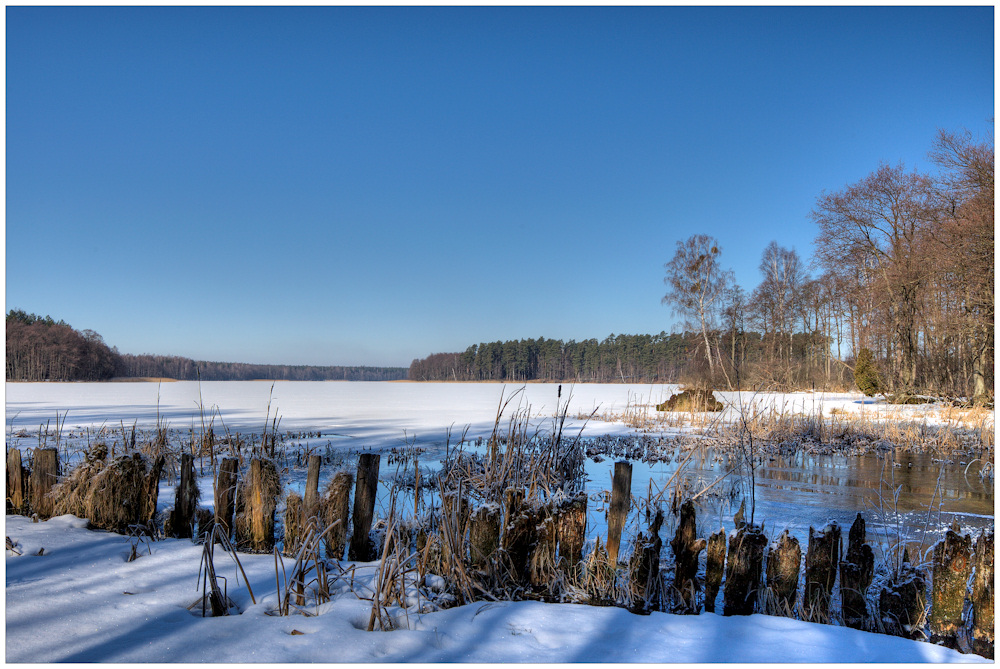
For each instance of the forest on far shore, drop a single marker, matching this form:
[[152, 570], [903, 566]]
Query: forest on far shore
[[42, 349]]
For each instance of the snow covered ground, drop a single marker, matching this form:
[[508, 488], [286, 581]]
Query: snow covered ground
[[81, 601]]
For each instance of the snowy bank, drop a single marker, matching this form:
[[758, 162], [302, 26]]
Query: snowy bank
[[82, 601]]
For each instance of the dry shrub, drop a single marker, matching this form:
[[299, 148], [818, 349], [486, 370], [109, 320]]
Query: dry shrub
[[69, 495], [117, 494], [333, 507], [294, 523], [255, 506]]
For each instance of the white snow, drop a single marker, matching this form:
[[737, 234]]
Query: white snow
[[81, 601]]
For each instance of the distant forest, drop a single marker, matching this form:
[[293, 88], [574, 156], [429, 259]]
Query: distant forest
[[42, 349], [662, 358]]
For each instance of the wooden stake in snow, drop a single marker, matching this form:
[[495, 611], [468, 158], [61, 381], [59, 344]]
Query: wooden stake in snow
[[856, 573], [44, 473], [744, 567], [621, 498], [310, 503], [15, 482], [185, 500], [361, 548], [572, 531], [952, 565], [687, 547], [822, 559], [484, 535], [715, 561], [225, 495], [783, 560], [982, 596]]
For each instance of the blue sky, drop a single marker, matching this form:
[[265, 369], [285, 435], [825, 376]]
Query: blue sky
[[370, 185]]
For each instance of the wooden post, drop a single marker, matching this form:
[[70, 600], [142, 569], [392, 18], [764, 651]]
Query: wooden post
[[621, 498], [856, 573], [152, 492], [519, 535], [715, 561], [361, 549], [903, 602], [687, 547], [336, 508], [646, 579], [949, 576], [542, 561], [822, 559], [294, 524], [982, 596], [783, 561], [484, 535], [572, 532], [225, 494], [185, 500], [258, 499], [15, 482], [310, 502], [44, 473], [744, 570]]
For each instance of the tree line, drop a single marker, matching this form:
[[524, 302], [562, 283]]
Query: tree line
[[42, 349], [904, 270]]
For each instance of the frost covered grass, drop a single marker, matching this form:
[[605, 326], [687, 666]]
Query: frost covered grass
[[82, 601]]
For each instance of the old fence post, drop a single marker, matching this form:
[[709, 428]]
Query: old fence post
[[949, 577], [621, 498], [44, 473], [361, 549], [982, 596], [822, 560], [856, 572], [225, 494], [783, 560], [687, 546], [310, 501], [185, 500], [336, 509], [744, 570], [15, 482], [715, 562]]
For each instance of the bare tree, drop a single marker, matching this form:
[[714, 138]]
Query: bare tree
[[696, 283]]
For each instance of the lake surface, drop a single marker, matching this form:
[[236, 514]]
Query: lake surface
[[793, 491]]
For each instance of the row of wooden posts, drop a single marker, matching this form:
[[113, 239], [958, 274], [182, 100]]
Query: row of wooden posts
[[535, 541]]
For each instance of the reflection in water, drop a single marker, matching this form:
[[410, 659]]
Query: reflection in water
[[912, 490]]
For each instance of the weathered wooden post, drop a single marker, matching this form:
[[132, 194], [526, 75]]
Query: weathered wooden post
[[572, 531], [744, 570], [484, 535], [519, 535], [646, 579], [822, 560], [982, 596], [15, 482], [258, 499], [361, 549], [181, 519], [621, 499], [856, 573], [542, 559], [902, 604], [949, 577], [44, 473], [294, 524], [783, 560], [225, 494], [336, 508], [715, 562], [152, 491], [310, 501], [687, 547]]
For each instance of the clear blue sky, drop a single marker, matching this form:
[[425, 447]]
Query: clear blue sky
[[371, 185]]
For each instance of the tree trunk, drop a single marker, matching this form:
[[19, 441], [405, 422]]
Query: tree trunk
[[744, 570], [15, 482], [856, 573], [982, 596], [950, 574]]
